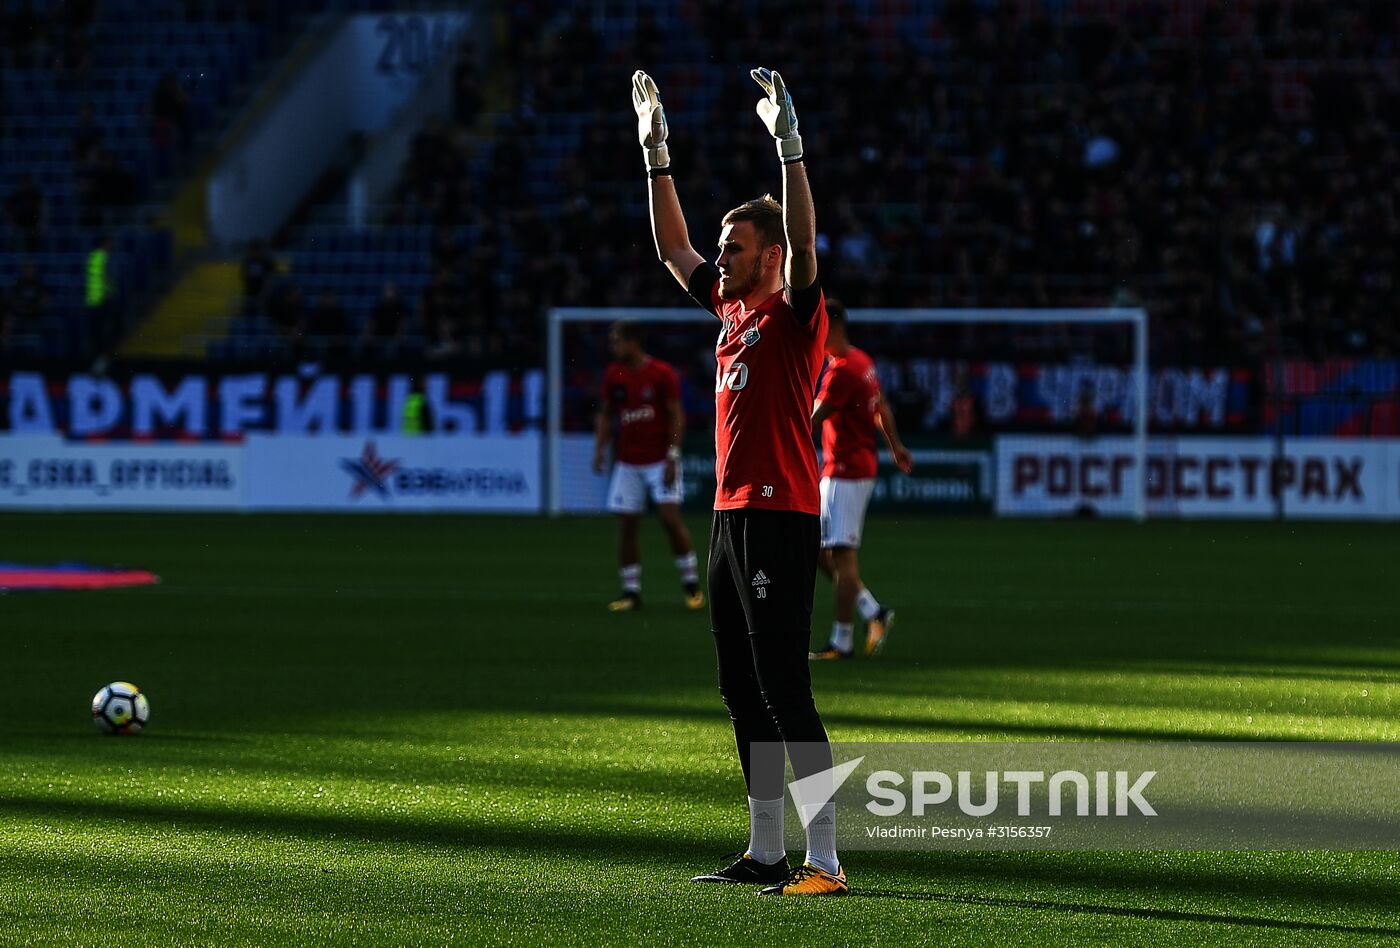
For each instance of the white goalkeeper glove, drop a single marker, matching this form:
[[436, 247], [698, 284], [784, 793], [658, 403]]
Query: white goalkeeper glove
[[778, 114], [651, 121]]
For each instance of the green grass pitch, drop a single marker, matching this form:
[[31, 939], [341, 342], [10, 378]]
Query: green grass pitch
[[428, 730]]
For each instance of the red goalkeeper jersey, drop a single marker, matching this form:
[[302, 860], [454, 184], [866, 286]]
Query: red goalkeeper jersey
[[852, 389], [640, 396], [768, 359]]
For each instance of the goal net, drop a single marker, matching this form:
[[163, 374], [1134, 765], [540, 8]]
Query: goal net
[[1019, 412]]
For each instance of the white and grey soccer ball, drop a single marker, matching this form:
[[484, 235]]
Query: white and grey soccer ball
[[120, 708]]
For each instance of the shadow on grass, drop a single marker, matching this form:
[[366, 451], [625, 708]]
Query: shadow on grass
[[1146, 914], [1144, 883], [909, 722]]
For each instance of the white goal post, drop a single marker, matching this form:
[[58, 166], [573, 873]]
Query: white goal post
[[1134, 318]]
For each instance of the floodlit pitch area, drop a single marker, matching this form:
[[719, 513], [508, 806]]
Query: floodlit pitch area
[[418, 730]]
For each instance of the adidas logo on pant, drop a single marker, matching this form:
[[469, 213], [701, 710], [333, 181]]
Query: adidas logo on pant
[[759, 579]]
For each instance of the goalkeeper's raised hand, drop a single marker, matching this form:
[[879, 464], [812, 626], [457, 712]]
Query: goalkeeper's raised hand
[[778, 114], [651, 121]]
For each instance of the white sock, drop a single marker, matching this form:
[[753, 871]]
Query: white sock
[[867, 605], [766, 830], [689, 567], [841, 636], [821, 839], [631, 578]]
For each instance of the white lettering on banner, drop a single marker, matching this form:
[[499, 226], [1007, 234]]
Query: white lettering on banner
[[485, 482], [495, 389], [47, 471], [1197, 476], [314, 411], [1190, 397], [150, 405], [29, 404], [94, 404], [400, 386], [98, 407], [448, 415], [239, 407], [1000, 401]]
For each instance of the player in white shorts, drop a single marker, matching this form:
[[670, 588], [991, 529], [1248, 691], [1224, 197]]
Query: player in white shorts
[[849, 408], [843, 510], [643, 393], [631, 484]]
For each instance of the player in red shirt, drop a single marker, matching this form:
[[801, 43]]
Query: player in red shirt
[[850, 407], [766, 534], [644, 393]]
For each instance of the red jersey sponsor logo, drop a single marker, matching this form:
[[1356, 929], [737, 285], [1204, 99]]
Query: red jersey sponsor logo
[[852, 390], [639, 397], [767, 362]]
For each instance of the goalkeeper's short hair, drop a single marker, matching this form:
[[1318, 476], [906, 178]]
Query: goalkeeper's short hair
[[766, 215]]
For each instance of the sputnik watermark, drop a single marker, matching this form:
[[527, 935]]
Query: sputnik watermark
[[1104, 795], [1112, 793]]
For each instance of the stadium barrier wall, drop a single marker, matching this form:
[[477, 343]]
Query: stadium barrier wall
[[1035, 475], [957, 481], [347, 473], [46, 471], [499, 474]]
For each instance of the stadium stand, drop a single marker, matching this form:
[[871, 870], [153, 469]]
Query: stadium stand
[[1229, 167], [100, 101]]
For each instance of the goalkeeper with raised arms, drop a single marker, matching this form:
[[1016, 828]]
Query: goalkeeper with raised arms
[[766, 533]]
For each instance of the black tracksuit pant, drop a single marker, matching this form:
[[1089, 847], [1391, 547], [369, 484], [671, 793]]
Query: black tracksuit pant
[[762, 574]]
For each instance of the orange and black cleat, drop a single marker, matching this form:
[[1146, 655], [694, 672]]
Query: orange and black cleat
[[807, 879], [876, 631], [627, 602], [694, 598]]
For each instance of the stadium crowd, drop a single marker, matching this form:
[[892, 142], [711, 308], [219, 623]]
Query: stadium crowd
[[1230, 167]]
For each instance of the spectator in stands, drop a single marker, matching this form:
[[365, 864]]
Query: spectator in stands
[[467, 98], [286, 310], [388, 321], [1232, 167], [88, 135], [116, 185], [964, 416], [28, 301], [257, 271], [100, 299], [440, 314], [85, 187], [75, 49], [171, 126], [25, 34], [7, 324], [1086, 415], [328, 328], [103, 185], [446, 249], [26, 213]]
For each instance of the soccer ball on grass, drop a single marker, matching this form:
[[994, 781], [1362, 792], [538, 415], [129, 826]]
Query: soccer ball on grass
[[120, 708]]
